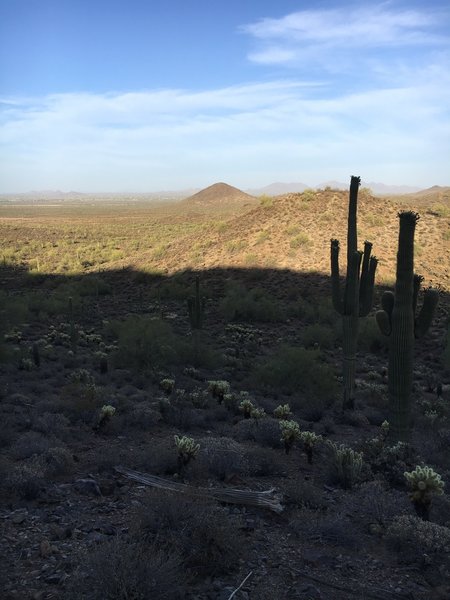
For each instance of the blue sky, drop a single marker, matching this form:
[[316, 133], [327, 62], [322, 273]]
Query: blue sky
[[144, 95]]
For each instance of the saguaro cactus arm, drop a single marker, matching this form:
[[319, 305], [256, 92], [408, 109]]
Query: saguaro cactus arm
[[367, 281], [335, 278], [425, 317]]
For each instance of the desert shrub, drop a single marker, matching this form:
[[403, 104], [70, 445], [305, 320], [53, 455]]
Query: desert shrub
[[121, 569], [370, 337], [31, 443], [375, 505], [333, 529], [266, 432], [25, 480], [322, 335], [205, 536], [446, 351], [249, 305], [80, 401], [301, 239], [145, 343], [222, 457], [57, 461], [51, 423], [415, 540], [304, 494], [179, 413], [264, 462], [141, 416], [294, 369]]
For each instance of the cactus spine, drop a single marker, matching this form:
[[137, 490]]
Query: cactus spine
[[396, 319], [356, 301]]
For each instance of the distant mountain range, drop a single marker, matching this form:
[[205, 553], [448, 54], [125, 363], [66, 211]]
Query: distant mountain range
[[379, 189], [274, 189]]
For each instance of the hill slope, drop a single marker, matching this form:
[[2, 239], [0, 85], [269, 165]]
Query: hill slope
[[294, 232]]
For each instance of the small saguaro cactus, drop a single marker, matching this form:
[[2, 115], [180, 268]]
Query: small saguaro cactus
[[424, 483], [397, 320], [347, 464], [73, 329], [196, 307], [356, 301]]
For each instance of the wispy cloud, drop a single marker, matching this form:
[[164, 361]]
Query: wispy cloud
[[247, 135], [322, 37]]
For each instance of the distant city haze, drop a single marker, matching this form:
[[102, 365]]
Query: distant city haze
[[142, 97]]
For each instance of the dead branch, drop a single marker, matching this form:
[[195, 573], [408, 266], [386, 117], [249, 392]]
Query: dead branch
[[266, 499]]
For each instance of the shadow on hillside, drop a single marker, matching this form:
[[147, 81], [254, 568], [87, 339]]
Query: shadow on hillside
[[282, 284]]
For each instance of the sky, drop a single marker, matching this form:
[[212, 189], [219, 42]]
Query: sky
[[147, 95]]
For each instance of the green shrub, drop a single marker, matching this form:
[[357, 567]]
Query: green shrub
[[294, 369], [145, 343], [322, 335], [302, 239], [250, 305]]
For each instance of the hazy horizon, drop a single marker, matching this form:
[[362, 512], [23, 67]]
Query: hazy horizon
[[140, 97]]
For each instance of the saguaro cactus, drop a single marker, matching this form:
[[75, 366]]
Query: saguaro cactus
[[196, 307], [397, 320], [356, 301]]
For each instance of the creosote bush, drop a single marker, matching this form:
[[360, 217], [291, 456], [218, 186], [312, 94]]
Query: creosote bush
[[205, 536], [145, 343], [298, 370], [121, 569]]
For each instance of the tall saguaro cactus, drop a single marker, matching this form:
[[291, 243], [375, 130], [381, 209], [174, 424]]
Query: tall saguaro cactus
[[397, 320], [356, 300], [196, 308]]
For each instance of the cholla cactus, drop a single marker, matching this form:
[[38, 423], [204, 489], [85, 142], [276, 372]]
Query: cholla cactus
[[105, 414], [347, 464], [257, 413], [167, 385], [282, 411], [187, 449], [218, 389], [246, 406], [290, 433], [107, 411], [309, 439], [424, 483]]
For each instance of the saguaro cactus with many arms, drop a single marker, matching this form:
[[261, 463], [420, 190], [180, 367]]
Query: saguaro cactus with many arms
[[356, 301], [397, 320]]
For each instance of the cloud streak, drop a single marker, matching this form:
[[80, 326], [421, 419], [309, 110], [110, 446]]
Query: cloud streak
[[322, 37], [168, 139]]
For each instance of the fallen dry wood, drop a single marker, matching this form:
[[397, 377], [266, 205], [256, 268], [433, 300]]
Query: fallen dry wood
[[267, 499]]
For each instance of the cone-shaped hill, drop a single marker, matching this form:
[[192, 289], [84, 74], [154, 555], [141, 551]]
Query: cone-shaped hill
[[219, 195]]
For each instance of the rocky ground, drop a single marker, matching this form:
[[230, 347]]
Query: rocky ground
[[70, 524]]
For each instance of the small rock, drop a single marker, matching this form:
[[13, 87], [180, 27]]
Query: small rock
[[18, 519], [54, 579], [89, 487], [45, 549]]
